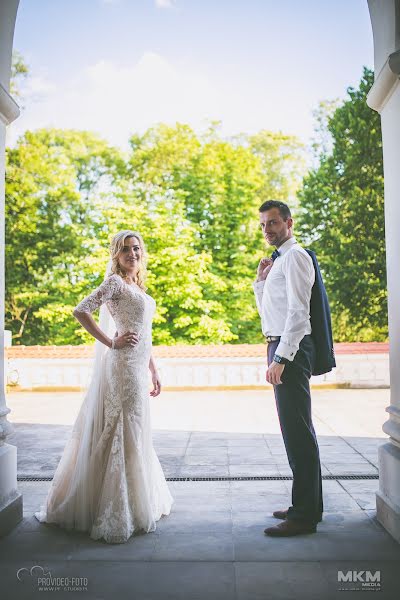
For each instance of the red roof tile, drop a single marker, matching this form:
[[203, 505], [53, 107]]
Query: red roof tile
[[186, 351]]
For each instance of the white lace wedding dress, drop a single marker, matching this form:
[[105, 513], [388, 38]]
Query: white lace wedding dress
[[109, 481]]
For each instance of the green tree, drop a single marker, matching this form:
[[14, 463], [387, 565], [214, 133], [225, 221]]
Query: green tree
[[193, 198], [342, 218], [221, 183], [67, 192], [19, 72], [56, 185], [283, 163], [180, 269]]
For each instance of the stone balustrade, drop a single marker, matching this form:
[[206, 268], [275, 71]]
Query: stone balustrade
[[194, 367]]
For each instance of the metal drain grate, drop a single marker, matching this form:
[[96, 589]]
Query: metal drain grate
[[269, 478], [226, 478]]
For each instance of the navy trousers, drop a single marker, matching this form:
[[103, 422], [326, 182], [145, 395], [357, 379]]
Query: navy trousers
[[293, 402]]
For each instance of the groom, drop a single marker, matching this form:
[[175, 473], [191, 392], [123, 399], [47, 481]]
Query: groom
[[283, 293]]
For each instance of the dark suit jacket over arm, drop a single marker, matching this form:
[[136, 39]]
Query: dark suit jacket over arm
[[320, 316]]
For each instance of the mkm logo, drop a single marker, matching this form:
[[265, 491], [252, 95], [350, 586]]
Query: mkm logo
[[365, 578]]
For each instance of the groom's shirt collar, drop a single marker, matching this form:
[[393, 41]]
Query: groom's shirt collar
[[287, 245]]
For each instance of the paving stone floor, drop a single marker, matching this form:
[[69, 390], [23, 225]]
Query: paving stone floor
[[204, 454], [212, 544]]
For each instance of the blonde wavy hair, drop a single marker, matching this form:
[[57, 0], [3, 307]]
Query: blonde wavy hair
[[116, 247]]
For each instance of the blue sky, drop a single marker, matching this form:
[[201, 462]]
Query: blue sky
[[119, 66]]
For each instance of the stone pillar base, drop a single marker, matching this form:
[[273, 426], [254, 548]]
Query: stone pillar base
[[10, 498], [388, 496], [11, 515]]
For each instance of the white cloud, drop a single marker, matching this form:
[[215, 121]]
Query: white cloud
[[117, 100], [165, 3], [37, 86]]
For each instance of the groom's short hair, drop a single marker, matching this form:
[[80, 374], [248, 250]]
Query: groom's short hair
[[283, 208]]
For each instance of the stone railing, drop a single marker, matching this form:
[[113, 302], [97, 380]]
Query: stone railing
[[194, 367]]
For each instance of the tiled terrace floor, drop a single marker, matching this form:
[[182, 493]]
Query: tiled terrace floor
[[212, 545]]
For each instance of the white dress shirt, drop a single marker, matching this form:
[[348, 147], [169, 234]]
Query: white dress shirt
[[283, 299]]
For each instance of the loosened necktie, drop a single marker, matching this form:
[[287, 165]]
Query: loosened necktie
[[275, 254]]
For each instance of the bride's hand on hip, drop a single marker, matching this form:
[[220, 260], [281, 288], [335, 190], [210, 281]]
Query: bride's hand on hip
[[156, 384], [126, 339]]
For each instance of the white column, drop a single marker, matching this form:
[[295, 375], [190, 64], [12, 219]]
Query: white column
[[384, 97], [10, 498]]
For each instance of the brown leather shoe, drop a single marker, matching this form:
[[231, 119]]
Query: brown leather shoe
[[280, 514], [291, 527]]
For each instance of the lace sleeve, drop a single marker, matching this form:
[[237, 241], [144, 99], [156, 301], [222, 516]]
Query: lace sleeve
[[108, 290]]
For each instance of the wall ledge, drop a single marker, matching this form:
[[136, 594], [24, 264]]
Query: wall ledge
[[9, 109], [385, 83]]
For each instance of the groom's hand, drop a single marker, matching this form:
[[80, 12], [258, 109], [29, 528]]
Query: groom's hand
[[274, 373], [264, 267]]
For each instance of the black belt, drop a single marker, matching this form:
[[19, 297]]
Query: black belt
[[272, 338]]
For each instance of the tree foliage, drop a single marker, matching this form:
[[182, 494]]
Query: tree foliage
[[56, 183], [19, 72], [193, 198], [342, 217]]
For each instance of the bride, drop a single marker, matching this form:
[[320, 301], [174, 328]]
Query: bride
[[109, 481]]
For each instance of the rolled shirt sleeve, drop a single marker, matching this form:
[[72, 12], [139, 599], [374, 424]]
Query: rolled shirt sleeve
[[300, 276]]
